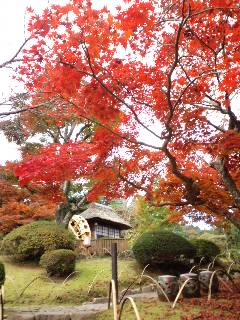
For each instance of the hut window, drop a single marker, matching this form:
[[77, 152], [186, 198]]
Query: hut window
[[111, 233], [103, 231]]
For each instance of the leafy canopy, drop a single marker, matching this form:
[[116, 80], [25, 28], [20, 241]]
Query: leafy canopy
[[170, 70]]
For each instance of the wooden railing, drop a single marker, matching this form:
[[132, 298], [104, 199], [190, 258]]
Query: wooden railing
[[101, 247]]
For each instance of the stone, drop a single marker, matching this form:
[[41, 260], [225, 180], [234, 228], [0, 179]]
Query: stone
[[20, 316], [100, 300], [192, 287], [170, 285], [204, 278]]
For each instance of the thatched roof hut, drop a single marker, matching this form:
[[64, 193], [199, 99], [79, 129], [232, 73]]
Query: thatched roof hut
[[104, 221]]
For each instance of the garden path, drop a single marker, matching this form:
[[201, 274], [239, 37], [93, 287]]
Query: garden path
[[86, 311]]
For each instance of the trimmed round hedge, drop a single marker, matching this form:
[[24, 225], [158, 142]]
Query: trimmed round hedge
[[31, 241], [158, 247], [2, 274], [58, 262], [205, 248]]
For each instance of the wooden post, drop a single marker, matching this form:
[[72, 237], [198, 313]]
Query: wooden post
[[2, 304], [114, 267]]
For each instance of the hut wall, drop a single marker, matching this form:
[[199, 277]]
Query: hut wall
[[101, 247]]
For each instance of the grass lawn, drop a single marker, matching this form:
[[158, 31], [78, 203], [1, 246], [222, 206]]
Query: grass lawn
[[27, 285], [90, 280]]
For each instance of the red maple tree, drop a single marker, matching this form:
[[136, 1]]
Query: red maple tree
[[168, 69], [20, 205]]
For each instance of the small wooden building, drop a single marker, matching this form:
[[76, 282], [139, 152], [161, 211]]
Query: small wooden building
[[104, 222]]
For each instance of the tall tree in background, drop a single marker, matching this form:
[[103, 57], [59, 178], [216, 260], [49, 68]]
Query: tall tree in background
[[50, 130], [168, 69]]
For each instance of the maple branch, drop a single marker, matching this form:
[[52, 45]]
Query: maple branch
[[13, 59], [126, 138], [172, 204], [215, 126], [175, 62], [53, 136], [124, 86], [131, 94], [73, 126], [234, 123], [133, 184], [224, 213], [216, 104], [192, 188], [219, 165], [60, 134], [213, 8], [115, 95], [94, 76], [183, 69], [204, 73], [169, 78], [170, 106], [203, 42], [86, 126], [5, 114]]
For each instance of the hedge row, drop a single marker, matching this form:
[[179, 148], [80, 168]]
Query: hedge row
[[160, 247]]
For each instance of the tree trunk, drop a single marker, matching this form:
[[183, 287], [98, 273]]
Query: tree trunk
[[62, 211], [65, 211]]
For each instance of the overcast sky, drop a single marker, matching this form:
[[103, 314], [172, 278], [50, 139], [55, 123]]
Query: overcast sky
[[12, 25]]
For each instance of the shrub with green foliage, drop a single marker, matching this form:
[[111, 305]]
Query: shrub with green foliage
[[233, 237], [31, 241], [2, 274], [159, 247], [205, 248], [220, 240], [58, 262], [235, 255]]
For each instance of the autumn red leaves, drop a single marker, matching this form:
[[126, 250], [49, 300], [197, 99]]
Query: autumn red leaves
[[174, 64]]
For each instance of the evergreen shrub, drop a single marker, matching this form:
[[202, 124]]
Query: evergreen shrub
[[158, 247], [235, 255], [58, 262], [220, 240], [31, 241], [205, 248], [2, 274]]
